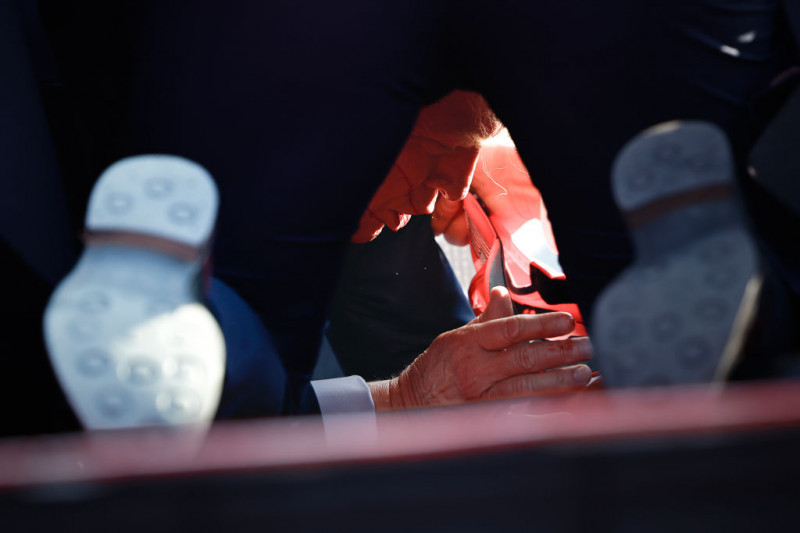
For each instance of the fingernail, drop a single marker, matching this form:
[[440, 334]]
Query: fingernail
[[582, 375], [566, 321], [500, 290]]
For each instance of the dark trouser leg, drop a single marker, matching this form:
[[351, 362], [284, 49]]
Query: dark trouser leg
[[36, 247], [298, 114]]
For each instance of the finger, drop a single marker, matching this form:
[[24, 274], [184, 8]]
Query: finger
[[443, 214], [369, 227], [499, 306], [457, 232], [558, 380], [506, 332], [540, 356]]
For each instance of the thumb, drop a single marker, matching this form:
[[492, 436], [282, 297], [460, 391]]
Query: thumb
[[499, 305]]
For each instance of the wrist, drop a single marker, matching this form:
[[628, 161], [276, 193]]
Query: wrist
[[403, 391], [391, 394], [381, 394]]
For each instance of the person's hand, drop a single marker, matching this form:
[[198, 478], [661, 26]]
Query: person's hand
[[491, 357], [450, 219], [439, 157]]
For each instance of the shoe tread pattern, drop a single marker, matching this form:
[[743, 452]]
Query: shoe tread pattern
[[675, 315], [163, 196], [130, 341]]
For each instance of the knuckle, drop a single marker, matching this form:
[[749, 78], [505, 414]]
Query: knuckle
[[525, 384], [543, 381], [562, 379], [518, 386], [525, 357], [558, 353], [450, 338], [564, 351], [512, 328]]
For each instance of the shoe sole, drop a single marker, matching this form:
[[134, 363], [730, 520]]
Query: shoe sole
[[680, 313], [130, 341]]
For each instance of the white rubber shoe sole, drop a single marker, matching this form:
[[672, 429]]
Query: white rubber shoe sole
[[130, 341], [680, 313]]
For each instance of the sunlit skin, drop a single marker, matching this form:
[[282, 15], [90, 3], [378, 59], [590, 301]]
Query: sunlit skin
[[499, 175], [489, 358], [446, 171], [438, 159], [492, 356]]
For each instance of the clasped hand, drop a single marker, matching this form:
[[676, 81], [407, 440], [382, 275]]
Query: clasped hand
[[492, 357]]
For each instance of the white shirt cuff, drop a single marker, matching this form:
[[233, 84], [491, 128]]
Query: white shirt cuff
[[343, 395], [347, 409]]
